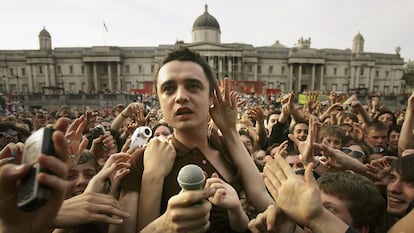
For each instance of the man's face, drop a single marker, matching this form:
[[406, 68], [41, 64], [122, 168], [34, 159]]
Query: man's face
[[259, 157], [272, 121], [386, 118], [301, 131], [183, 92], [399, 195], [8, 136], [393, 139], [79, 176], [377, 138], [294, 162], [247, 142], [337, 206]]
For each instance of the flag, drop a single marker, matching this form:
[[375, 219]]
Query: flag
[[106, 28]]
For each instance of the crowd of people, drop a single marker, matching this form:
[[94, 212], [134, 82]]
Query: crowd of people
[[271, 165]]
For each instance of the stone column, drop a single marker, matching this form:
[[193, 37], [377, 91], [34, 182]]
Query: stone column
[[95, 77], [352, 78], [299, 78], [357, 75], [220, 68], [35, 80], [230, 67], [371, 82], [321, 81], [47, 81], [86, 78], [52, 75], [118, 74], [255, 72], [368, 77], [239, 66], [313, 77], [30, 78], [110, 81]]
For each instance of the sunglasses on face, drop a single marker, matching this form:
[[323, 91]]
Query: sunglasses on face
[[9, 132], [354, 153]]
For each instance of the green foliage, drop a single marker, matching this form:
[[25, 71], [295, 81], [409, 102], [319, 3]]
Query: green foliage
[[408, 76]]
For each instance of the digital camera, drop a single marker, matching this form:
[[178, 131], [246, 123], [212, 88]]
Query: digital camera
[[140, 136]]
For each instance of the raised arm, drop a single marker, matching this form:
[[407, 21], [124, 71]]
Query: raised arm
[[406, 140], [224, 115]]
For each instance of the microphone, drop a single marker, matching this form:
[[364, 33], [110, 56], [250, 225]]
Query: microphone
[[191, 177]]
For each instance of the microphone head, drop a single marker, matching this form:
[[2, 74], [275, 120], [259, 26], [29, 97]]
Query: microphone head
[[191, 177]]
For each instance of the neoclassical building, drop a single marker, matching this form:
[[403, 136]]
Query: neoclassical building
[[272, 68]]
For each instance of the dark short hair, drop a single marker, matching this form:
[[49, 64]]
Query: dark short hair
[[376, 125], [404, 166], [364, 200], [276, 111], [394, 119], [185, 54]]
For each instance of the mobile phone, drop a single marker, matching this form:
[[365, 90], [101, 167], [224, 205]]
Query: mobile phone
[[141, 136], [32, 195]]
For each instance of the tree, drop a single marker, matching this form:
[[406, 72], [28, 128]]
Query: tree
[[408, 75]]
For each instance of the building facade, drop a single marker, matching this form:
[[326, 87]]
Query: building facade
[[266, 69]]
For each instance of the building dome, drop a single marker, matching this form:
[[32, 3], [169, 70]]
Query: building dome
[[44, 33], [206, 21], [359, 37]]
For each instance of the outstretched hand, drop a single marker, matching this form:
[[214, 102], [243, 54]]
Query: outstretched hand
[[299, 199], [224, 108]]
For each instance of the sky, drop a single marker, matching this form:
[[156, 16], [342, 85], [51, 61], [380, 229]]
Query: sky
[[384, 24]]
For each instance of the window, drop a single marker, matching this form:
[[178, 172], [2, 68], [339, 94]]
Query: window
[[59, 69], [83, 69], [324, 70], [250, 68], [127, 69], [40, 69], [140, 69], [377, 73], [283, 70], [71, 69], [346, 71], [361, 71], [259, 69], [152, 68], [270, 69], [387, 73], [11, 71], [334, 71], [23, 71]]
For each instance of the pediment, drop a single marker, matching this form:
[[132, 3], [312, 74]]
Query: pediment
[[211, 47]]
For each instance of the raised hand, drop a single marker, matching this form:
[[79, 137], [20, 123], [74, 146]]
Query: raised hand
[[116, 162], [306, 147], [74, 135], [272, 220], [224, 108], [13, 219], [11, 153], [299, 199]]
